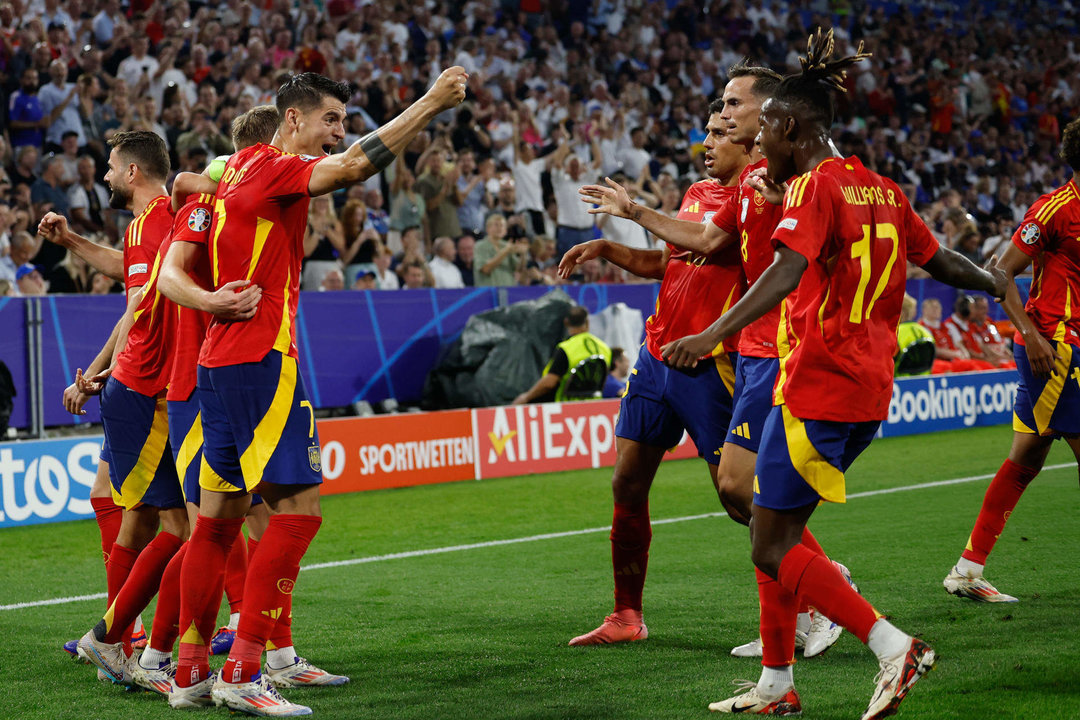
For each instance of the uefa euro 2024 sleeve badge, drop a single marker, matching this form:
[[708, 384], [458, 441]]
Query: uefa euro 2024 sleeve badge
[[199, 219], [1030, 234]]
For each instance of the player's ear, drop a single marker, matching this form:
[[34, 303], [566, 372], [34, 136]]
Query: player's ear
[[791, 128]]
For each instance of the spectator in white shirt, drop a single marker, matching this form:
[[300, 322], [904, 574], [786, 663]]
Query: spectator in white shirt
[[60, 103], [138, 64], [442, 264], [634, 157], [575, 223]]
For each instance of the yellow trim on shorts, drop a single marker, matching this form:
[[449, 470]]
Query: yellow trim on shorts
[[726, 372], [823, 477], [1020, 426], [137, 482], [268, 432], [210, 480], [1048, 399], [189, 448]]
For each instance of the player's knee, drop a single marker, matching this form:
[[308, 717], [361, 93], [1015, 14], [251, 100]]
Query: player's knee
[[629, 487], [766, 558], [736, 495]]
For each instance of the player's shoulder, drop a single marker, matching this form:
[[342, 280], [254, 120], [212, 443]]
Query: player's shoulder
[[160, 209], [751, 167], [821, 178], [709, 189], [1064, 202]]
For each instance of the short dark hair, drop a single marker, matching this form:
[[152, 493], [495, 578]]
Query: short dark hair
[[145, 149], [1070, 145], [616, 355], [716, 106], [306, 91], [257, 125], [577, 316], [766, 80]]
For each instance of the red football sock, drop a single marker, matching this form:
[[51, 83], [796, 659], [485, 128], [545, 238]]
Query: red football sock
[[253, 544], [201, 581], [166, 625], [140, 587], [1001, 497], [121, 560], [811, 542], [814, 577], [108, 515], [779, 610], [270, 580], [235, 570], [631, 535], [281, 637]]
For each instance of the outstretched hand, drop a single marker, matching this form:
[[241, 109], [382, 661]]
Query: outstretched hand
[[771, 190], [579, 255], [612, 200]]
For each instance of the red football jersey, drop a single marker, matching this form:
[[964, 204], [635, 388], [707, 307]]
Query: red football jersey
[[696, 289], [192, 225], [141, 240], [1050, 234], [260, 213], [144, 363], [858, 232], [753, 220]]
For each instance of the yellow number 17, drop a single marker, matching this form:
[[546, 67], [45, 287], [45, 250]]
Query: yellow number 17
[[861, 251]]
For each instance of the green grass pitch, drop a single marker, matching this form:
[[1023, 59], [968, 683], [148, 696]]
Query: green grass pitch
[[482, 632]]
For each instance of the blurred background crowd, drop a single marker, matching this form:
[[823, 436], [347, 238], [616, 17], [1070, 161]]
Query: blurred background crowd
[[962, 104]]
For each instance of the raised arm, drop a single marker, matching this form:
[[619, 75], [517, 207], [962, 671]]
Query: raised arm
[[702, 238], [373, 152], [106, 260]]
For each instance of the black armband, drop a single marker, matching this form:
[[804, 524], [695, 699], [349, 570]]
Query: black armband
[[376, 151]]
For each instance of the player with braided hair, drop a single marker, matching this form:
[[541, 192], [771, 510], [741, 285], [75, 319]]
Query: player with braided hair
[[843, 244], [1047, 352]]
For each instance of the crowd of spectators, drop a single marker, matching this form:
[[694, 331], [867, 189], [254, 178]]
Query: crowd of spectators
[[962, 104]]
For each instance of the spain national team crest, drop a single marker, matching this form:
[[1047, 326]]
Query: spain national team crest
[[314, 457], [199, 219], [1030, 234], [285, 586]]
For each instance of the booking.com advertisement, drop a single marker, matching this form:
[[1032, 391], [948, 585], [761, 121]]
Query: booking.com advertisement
[[49, 481], [931, 403]]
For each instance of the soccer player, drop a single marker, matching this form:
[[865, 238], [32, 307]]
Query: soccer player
[[661, 403], [1047, 352], [133, 413], [748, 219], [843, 243], [184, 277], [258, 426]]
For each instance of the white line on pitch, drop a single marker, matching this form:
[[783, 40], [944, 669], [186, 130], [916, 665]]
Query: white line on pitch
[[535, 538]]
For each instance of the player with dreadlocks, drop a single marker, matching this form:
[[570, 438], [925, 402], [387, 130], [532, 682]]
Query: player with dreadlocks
[[843, 243]]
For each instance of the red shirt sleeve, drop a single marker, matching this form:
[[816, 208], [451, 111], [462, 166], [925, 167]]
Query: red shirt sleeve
[[1032, 237], [287, 175], [727, 215], [920, 242], [809, 207], [193, 221]]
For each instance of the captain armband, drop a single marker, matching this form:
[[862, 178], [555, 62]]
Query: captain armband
[[376, 151]]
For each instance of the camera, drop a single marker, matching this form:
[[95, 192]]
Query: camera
[[515, 232]]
